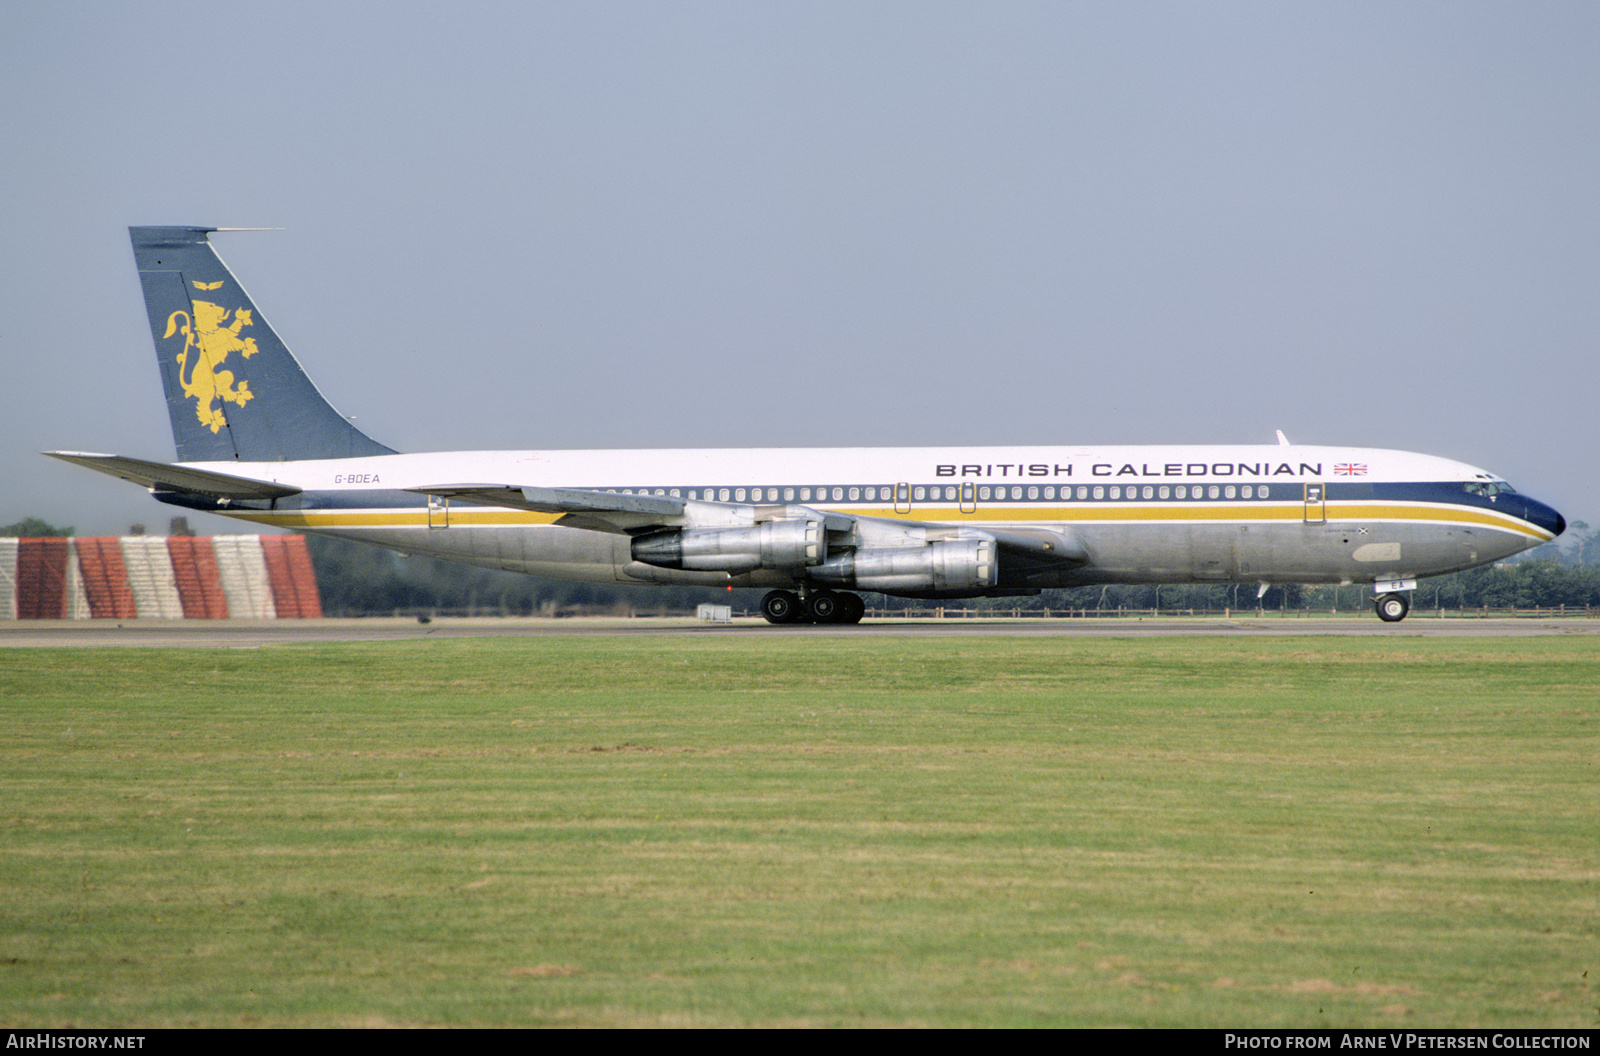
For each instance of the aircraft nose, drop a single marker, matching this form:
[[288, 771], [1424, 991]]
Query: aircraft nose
[[1546, 517]]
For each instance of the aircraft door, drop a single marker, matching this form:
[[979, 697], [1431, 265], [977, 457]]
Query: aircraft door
[[969, 497], [438, 511], [1316, 503], [902, 498]]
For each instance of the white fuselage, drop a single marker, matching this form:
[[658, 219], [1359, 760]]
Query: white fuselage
[[1265, 514]]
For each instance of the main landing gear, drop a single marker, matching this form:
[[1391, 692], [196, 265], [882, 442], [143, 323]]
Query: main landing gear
[[1392, 608], [818, 606]]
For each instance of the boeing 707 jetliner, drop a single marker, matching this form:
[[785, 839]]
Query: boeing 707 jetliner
[[257, 441]]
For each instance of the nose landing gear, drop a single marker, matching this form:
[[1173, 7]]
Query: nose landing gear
[[1392, 608]]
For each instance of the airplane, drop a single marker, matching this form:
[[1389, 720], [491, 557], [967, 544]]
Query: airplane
[[257, 441]]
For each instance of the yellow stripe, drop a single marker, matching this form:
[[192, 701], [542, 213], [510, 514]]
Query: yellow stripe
[[1447, 514]]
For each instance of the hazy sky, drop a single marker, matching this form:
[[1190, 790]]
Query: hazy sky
[[590, 224]]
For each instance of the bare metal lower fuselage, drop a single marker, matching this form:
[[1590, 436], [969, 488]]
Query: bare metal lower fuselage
[[1336, 551]]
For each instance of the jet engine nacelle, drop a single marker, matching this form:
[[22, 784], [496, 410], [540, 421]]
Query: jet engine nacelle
[[792, 544], [947, 565]]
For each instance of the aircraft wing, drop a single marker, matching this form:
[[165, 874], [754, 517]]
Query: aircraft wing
[[558, 500], [1023, 551], [601, 511], [630, 513], [160, 476]]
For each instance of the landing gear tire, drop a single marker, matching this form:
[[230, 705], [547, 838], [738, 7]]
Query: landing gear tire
[[781, 606], [823, 606], [851, 609], [1392, 608]]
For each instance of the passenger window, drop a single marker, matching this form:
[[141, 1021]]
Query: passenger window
[[983, 493], [1083, 493], [1228, 492], [1099, 492], [1165, 492], [855, 494], [838, 494], [1149, 492], [788, 494], [1247, 491], [1214, 491], [722, 496], [1263, 491]]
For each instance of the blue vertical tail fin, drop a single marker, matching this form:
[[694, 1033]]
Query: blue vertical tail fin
[[233, 389]]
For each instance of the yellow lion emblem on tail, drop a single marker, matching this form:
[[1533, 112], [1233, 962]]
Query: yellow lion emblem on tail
[[208, 341]]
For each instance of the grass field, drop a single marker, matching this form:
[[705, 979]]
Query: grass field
[[1302, 832]]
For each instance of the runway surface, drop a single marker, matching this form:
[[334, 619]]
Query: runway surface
[[249, 634]]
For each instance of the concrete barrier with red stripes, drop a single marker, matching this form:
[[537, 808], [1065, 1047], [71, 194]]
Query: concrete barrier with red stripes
[[192, 577]]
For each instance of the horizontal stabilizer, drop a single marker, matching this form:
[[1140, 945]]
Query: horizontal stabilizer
[[159, 476]]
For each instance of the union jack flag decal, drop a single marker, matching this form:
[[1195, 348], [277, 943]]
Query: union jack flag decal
[[1351, 469]]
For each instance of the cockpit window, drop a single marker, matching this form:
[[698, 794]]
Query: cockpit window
[[1490, 488]]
